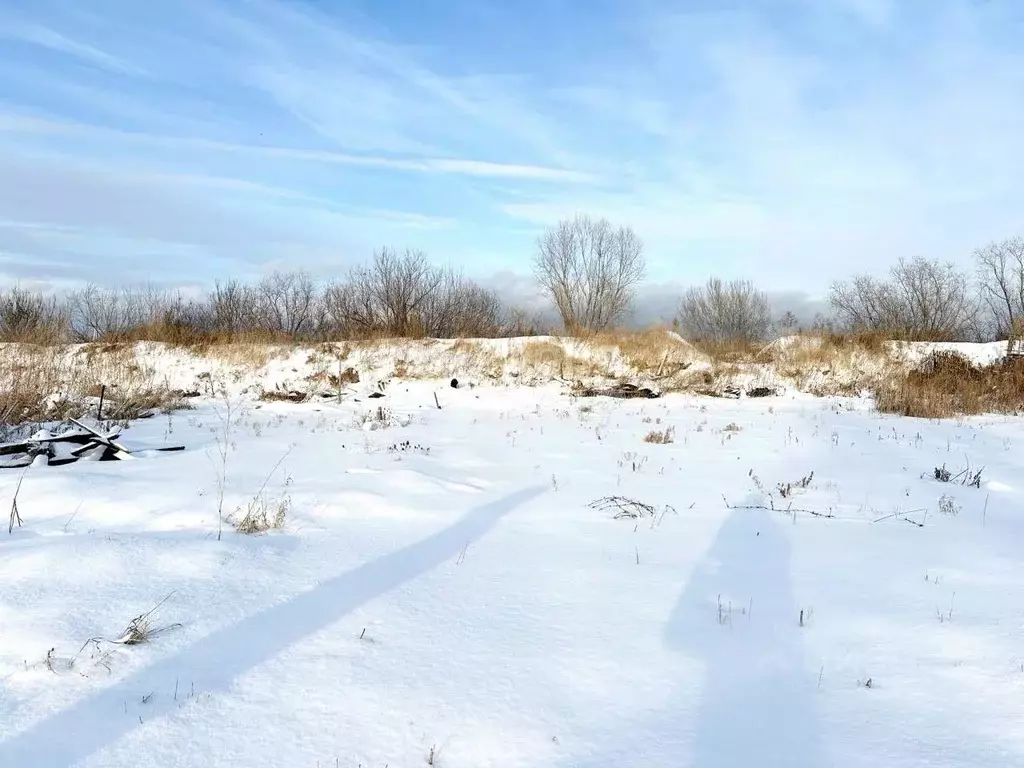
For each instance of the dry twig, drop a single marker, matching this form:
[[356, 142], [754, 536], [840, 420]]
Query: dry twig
[[630, 508]]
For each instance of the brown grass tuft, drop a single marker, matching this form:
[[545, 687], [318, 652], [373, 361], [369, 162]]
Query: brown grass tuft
[[661, 436], [263, 515], [947, 384]]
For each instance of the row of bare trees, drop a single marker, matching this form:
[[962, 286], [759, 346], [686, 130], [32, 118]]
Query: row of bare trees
[[928, 300], [398, 294], [589, 270]]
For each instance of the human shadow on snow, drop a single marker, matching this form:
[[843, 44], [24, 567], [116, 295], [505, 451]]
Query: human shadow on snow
[[215, 661], [737, 616], [754, 705]]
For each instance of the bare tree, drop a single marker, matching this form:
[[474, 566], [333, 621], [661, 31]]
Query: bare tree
[[922, 300], [590, 271], [286, 302], [725, 312], [788, 323], [1001, 283]]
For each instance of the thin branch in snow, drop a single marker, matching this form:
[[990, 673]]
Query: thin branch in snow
[[625, 507], [15, 514]]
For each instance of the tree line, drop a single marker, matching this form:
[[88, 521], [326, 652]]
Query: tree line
[[589, 270]]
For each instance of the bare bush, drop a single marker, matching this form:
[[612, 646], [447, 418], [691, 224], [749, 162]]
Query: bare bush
[[725, 312], [460, 308], [590, 271], [31, 317], [229, 308], [1001, 283], [404, 295], [98, 313], [922, 300], [389, 296]]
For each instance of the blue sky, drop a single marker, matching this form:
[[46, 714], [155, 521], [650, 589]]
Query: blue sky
[[788, 141]]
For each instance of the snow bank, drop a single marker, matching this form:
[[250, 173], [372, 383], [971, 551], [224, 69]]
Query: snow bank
[[659, 360]]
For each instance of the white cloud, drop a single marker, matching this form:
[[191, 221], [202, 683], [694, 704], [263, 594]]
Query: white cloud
[[45, 37], [786, 147]]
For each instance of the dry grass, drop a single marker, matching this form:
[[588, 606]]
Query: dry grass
[[141, 629], [547, 356], [832, 363], [661, 436], [50, 383], [263, 515], [729, 351], [249, 355], [653, 351], [949, 385]]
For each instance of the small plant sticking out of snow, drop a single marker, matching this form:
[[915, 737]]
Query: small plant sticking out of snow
[[963, 477], [786, 490], [724, 613], [732, 426], [407, 447], [756, 481], [661, 436], [634, 460], [141, 629], [948, 505], [263, 515], [943, 617], [15, 514], [379, 418]]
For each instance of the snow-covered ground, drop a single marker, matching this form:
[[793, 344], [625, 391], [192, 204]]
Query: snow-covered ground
[[442, 593]]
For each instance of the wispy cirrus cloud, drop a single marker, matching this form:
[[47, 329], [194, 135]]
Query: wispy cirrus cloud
[[780, 141]]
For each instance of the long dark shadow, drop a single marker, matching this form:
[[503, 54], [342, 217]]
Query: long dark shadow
[[756, 707], [215, 661]]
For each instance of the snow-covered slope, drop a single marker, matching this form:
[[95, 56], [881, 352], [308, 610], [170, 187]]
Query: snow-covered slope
[[441, 592], [662, 361]]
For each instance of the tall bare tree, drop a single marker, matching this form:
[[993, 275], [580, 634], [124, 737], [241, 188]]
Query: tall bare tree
[[725, 312], [1001, 282], [590, 270]]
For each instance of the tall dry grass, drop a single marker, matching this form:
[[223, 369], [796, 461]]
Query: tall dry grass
[[947, 384], [41, 383]]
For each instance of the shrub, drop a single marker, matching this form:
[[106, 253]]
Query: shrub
[[948, 384]]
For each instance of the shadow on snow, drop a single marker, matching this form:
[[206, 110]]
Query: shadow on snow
[[214, 662]]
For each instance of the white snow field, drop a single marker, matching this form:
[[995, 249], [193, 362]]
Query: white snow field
[[441, 593]]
